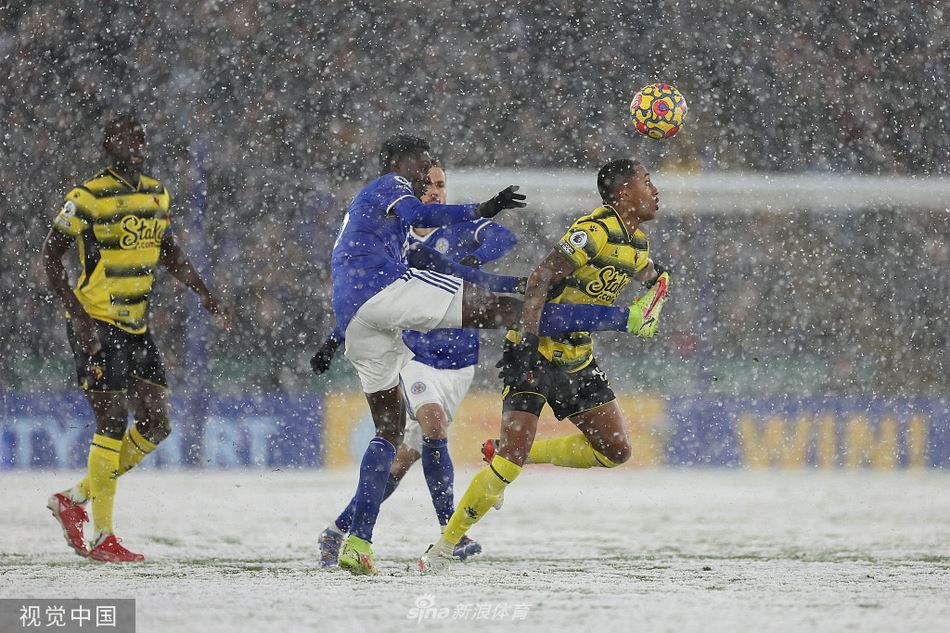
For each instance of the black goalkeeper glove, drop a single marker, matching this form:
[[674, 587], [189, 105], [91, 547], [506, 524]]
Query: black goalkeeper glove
[[320, 362], [471, 261], [505, 199], [521, 364]]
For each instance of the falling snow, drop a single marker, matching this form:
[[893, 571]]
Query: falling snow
[[265, 117]]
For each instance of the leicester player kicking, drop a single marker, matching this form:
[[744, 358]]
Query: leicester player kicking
[[119, 221], [376, 296], [601, 252], [437, 378]]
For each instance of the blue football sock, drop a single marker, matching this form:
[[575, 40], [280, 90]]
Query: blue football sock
[[345, 520], [561, 318], [440, 475], [391, 484], [374, 471]]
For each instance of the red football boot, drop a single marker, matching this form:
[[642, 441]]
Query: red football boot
[[488, 450], [71, 516], [110, 550]]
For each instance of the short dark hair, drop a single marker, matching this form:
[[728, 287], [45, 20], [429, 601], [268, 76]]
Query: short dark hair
[[612, 175], [116, 123], [398, 146]]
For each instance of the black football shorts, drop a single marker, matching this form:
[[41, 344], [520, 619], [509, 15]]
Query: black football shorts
[[567, 393], [122, 355]]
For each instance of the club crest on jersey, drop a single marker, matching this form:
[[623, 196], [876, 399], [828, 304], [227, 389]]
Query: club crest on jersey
[[442, 245], [94, 373], [66, 214], [417, 388], [578, 239]]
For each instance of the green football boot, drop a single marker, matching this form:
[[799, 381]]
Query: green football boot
[[645, 311], [356, 556]]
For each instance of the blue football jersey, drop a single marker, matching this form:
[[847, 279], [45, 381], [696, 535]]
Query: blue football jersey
[[457, 348], [368, 253]]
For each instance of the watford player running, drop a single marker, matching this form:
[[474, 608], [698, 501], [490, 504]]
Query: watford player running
[[119, 221], [601, 252]]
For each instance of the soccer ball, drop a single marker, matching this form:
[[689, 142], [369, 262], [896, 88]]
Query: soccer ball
[[658, 111]]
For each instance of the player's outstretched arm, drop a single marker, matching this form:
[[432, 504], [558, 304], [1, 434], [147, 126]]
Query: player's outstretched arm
[[174, 259], [413, 211], [521, 357], [55, 246], [494, 241], [552, 269]]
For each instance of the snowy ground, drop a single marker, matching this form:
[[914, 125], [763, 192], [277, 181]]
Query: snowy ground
[[572, 550]]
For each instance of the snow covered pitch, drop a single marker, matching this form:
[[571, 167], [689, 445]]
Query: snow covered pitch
[[660, 550]]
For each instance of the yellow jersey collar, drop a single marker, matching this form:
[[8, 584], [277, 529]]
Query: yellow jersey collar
[[118, 177], [620, 221]]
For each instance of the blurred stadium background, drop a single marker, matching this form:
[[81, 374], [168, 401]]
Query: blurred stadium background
[[804, 209]]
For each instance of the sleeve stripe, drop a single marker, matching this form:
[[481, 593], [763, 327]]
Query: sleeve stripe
[[482, 224], [397, 201]]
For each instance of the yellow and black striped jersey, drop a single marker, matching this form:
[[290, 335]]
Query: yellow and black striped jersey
[[604, 256], [118, 227]]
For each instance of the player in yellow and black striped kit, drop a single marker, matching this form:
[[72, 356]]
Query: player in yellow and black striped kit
[[600, 254], [119, 221]]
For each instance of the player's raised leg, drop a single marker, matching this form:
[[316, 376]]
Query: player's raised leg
[[484, 309], [602, 443]]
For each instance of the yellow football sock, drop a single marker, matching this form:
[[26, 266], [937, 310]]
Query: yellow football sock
[[571, 451], [81, 492], [103, 471], [134, 449], [481, 495]]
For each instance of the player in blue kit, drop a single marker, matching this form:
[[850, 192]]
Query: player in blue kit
[[437, 378], [376, 296]]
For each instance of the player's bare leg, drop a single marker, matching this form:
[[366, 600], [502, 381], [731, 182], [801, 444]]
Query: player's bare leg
[[389, 414], [405, 458], [150, 406], [484, 309], [606, 430], [111, 412], [602, 443]]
